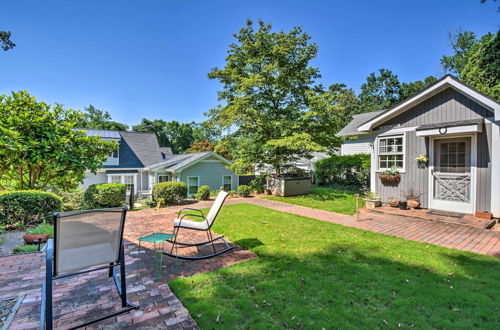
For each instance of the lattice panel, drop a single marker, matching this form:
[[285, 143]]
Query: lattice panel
[[452, 188]]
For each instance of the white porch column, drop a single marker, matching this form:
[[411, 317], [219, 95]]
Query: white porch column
[[495, 168]]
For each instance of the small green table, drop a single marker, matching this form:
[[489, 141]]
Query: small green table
[[158, 240]]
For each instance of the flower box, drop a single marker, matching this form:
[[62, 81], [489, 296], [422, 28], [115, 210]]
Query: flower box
[[390, 178]]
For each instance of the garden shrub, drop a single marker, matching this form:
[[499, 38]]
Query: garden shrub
[[23, 208], [259, 183], [171, 192], [103, 195], [244, 190], [72, 200], [42, 229], [348, 170], [203, 193]]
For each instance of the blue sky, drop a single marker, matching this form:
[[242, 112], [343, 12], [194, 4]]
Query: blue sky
[[145, 58]]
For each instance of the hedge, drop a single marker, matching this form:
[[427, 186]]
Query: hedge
[[348, 170], [170, 192], [24, 208], [244, 190], [203, 193], [104, 195]]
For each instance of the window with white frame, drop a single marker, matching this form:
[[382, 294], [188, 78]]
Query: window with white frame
[[128, 180], [192, 185], [116, 179], [162, 178], [226, 182], [391, 152]]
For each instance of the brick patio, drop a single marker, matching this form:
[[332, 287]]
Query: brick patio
[[79, 299]]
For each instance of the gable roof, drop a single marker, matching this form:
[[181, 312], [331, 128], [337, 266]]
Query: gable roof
[[137, 149], [357, 120], [179, 162], [440, 85], [166, 151]]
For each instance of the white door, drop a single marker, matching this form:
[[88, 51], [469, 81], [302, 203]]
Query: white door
[[452, 176]]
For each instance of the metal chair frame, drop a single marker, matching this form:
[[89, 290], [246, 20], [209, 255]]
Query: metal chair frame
[[51, 274], [210, 237]]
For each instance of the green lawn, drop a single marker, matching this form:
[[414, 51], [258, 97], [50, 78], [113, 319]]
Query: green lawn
[[312, 275], [328, 199]]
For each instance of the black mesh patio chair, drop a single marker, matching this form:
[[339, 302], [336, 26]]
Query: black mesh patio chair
[[204, 225], [85, 241]]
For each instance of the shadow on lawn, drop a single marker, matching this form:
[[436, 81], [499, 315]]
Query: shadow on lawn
[[346, 286]]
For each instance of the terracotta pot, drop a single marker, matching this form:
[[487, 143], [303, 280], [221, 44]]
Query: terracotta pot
[[31, 238], [393, 202], [390, 178], [267, 192], [413, 204]]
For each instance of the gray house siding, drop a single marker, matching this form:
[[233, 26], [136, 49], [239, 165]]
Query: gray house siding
[[99, 177], [447, 106], [210, 173], [483, 187], [414, 178]]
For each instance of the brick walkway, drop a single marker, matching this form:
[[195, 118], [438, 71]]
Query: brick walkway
[[450, 235], [82, 298]]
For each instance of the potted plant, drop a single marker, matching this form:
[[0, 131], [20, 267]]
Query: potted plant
[[393, 202], [390, 176], [413, 199], [403, 205], [38, 234], [372, 201], [422, 160]]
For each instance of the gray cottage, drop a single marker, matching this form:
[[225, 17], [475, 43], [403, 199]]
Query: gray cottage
[[141, 162], [453, 125]]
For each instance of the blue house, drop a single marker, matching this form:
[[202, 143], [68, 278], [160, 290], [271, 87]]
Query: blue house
[[141, 162]]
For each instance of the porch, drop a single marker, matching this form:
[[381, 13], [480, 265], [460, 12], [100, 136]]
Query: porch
[[441, 216]]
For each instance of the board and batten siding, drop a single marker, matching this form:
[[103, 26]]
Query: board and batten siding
[[447, 106], [413, 178], [210, 173], [358, 146]]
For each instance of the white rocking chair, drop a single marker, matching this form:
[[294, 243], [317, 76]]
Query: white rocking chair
[[204, 225]]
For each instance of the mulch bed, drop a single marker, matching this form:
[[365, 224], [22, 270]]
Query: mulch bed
[[11, 240]]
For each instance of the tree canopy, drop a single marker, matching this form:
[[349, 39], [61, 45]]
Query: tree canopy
[[269, 101], [42, 147], [5, 41], [94, 118]]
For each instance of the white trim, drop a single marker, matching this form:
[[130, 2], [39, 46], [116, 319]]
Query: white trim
[[473, 169], [211, 153], [376, 145], [167, 175], [373, 167], [230, 182], [198, 183], [122, 179], [435, 89], [495, 169], [451, 130]]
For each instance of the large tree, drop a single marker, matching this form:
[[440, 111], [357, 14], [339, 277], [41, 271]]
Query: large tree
[[482, 68], [380, 91], [156, 126], [5, 41], [475, 61], [178, 136], [42, 147], [410, 89], [94, 118], [269, 101]]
